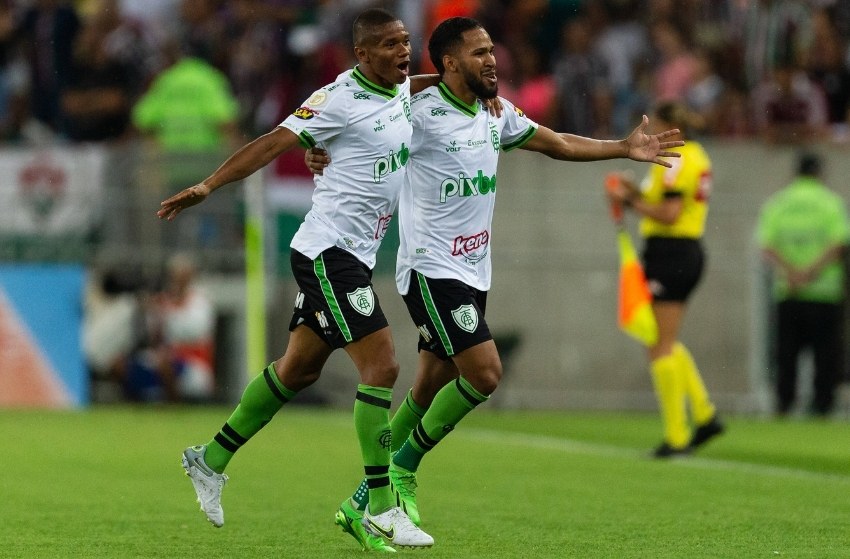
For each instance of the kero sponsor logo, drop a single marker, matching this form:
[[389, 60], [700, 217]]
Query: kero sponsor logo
[[383, 225], [473, 248]]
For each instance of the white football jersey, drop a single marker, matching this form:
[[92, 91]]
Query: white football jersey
[[366, 131], [446, 206]]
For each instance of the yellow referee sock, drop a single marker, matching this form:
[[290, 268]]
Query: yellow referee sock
[[668, 378], [701, 407]]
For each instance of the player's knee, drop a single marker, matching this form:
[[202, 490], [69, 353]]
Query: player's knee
[[487, 378], [296, 375], [382, 374]]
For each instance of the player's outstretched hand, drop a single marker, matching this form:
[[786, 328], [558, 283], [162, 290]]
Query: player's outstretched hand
[[316, 160], [184, 199], [651, 147]]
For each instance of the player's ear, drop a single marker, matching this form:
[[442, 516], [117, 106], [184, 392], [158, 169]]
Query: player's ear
[[449, 62], [362, 54]]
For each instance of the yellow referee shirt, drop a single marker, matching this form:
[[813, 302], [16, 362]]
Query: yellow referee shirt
[[688, 178]]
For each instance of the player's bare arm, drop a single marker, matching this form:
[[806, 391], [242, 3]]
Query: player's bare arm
[[246, 161], [639, 146], [420, 82]]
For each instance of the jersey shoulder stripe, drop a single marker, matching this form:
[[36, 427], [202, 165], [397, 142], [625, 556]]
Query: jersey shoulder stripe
[[306, 139], [521, 141]]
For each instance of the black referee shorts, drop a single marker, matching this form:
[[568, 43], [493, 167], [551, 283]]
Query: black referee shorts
[[673, 267]]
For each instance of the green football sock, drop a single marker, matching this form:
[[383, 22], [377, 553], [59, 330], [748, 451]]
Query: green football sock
[[405, 419], [262, 398], [450, 405], [372, 423]]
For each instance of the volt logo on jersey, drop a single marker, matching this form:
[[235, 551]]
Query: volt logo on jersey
[[466, 317], [362, 300], [465, 185]]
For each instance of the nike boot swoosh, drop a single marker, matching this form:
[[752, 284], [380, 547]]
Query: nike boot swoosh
[[386, 533]]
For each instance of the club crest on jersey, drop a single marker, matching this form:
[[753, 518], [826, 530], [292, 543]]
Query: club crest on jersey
[[495, 138], [305, 113], [466, 317], [362, 300]]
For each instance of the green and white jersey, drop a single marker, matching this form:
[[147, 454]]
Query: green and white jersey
[[366, 131], [446, 205]]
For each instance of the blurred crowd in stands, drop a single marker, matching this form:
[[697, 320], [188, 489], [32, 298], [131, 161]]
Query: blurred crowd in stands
[[197, 73]]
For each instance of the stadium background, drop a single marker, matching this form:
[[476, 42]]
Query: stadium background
[[90, 204]]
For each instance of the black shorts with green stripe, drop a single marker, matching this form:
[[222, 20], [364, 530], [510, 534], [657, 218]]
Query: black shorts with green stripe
[[448, 313], [336, 299]]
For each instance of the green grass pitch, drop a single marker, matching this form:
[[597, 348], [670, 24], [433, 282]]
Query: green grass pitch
[[107, 482]]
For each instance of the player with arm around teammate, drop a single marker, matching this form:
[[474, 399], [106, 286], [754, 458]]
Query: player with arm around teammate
[[363, 121], [446, 210]]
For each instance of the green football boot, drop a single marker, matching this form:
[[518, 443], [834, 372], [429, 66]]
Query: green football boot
[[350, 519], [404, 487]]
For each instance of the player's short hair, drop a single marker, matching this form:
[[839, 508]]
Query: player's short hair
[[808, 164], [366, 24], [447, 37]]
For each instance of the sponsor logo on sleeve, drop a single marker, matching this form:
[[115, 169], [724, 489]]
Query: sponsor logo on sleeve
[[305, 113]]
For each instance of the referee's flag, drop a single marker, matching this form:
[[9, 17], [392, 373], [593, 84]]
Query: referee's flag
[[634, 300]]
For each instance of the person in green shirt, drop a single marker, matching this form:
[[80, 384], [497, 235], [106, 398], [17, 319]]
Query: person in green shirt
[[803, 231], [189, 107]]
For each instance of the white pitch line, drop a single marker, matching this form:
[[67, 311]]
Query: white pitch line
[[570, 446]]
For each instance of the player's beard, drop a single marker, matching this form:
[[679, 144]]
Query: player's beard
[[478, 87]]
